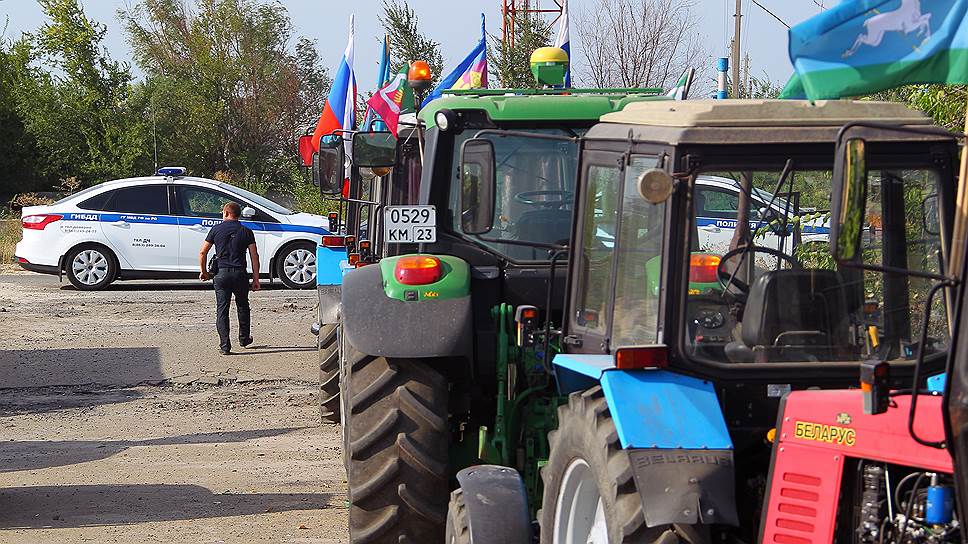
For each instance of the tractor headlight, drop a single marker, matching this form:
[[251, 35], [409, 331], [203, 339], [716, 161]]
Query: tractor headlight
[[445, 120]]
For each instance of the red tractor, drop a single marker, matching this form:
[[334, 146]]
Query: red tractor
[[875, 464]]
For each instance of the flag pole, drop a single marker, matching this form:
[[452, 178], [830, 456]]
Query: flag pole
[[959, 235], [959, 231]]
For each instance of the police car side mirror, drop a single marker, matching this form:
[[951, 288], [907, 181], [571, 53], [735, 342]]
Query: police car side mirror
[[248, 212]]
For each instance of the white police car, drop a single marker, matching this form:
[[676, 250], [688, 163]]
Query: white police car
[[152, 227], [717, 205]]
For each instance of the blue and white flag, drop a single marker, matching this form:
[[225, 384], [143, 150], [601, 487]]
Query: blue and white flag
[[863, 46], [471, 73], [563, 40]]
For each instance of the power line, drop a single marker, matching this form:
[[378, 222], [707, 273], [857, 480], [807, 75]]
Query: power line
[[764, 8]]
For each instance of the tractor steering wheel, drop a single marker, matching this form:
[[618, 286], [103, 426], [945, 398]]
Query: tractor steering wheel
[[725, 275], [544, 199]]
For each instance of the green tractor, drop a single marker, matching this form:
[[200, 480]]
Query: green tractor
[[383, 181]]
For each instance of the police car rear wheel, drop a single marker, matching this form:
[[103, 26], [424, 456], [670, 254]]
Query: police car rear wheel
[[90, 267], [297, 266]]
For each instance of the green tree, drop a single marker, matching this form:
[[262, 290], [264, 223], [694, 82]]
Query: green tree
[[944, 103], [75, 103], [511, 63], [407, 43], [17, 147], [224, 89]]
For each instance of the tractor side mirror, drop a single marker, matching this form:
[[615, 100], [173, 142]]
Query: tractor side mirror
[[849, 201], [328, 166], [478, 180], [374, 150], [655, 185]]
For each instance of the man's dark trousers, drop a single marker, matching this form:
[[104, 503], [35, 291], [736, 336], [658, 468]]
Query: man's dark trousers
[[228, 282]]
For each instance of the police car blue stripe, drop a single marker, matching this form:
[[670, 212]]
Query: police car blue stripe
[[188, 221], [731, 224]]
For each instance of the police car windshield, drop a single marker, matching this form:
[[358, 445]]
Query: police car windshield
[[258, 199], [767, 196]]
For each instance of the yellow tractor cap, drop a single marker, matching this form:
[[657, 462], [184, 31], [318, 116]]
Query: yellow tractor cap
[[549, 66], [549, 54]]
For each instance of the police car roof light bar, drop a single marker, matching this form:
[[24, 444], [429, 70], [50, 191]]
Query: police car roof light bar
[[172, 171]]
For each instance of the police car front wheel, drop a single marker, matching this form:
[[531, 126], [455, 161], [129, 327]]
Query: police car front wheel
[[90, 267], [296, 265]]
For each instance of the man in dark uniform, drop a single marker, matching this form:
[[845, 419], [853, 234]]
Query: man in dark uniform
[[231, 240]]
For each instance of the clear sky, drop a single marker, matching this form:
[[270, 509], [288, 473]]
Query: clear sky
[[455, 23]]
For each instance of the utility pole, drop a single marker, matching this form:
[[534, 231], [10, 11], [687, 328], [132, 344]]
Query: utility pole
[[737, 22], [747, 84]]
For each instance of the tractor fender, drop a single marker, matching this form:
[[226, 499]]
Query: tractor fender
[[331, 265], [497, 505], [673, 428], [378, 325]]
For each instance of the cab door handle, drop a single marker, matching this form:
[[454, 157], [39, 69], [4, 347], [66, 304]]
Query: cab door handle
[[198, 228], [122, 224], [710, 228]]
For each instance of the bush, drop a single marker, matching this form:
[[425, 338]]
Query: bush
[[9, 236]]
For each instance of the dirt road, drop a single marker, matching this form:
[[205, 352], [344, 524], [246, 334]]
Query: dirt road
[[119, 422]]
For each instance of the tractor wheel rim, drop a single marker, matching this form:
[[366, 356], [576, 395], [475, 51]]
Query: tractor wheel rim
[[300, 266], [579, 510], [90, 267]]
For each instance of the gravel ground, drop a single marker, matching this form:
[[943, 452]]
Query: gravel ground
[[119, 422]]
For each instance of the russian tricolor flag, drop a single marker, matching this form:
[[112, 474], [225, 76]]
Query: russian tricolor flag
[[339, 112]]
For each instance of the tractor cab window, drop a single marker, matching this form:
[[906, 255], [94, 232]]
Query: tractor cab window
[[621, 247], [534, 193], [599, 221], [764, 288], [638, 263]]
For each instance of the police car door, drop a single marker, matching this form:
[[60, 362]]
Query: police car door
[[199, 209], [138, 225], [716, 210]]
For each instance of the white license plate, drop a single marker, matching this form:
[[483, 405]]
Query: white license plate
[[409, 224]]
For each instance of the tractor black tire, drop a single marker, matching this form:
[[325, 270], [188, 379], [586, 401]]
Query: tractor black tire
[[586, 432], [458, 522], [329, 402], [397, 449]]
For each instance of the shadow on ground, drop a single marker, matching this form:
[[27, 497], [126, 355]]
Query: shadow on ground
[[25, 368], [265, 350], [39, 454], [96, 505], [61, 398], [142, 285]]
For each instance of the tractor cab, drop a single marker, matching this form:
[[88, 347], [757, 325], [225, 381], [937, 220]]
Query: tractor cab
[[379, 171]]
